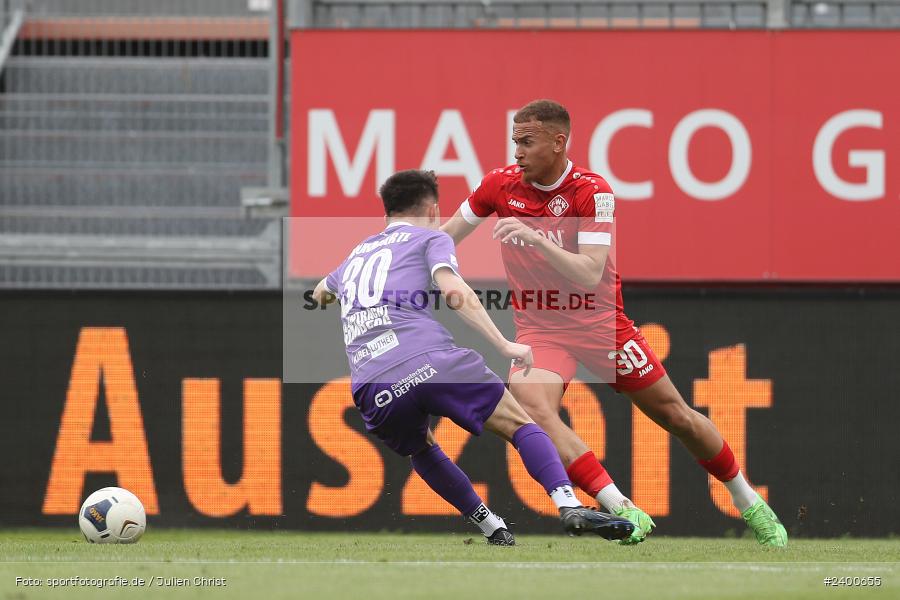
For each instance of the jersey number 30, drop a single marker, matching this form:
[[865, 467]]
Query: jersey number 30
[[368, 290], [629, 358]]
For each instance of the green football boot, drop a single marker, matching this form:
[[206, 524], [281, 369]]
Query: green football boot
[[643, 524], [765, 524]]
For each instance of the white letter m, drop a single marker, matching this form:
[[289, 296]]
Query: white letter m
[[325, 139]]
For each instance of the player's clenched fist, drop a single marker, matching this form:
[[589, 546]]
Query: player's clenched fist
[[511, 227], [520, 354]]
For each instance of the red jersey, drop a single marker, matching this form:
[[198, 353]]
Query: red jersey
[[577, 209]]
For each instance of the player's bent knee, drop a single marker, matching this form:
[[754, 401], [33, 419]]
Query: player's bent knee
[[517, 412], [541, 415], [508, 417], [534, 398]]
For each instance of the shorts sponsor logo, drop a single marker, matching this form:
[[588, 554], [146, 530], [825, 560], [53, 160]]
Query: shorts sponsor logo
[[604, 207], [558, 205], [645, 370], [420, 375], [383, 398], [385, 342]]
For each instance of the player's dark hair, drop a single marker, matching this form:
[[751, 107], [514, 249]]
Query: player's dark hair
[[405, 190], [545, 111]]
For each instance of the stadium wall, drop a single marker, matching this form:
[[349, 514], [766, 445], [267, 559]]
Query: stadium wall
[[177, 396]]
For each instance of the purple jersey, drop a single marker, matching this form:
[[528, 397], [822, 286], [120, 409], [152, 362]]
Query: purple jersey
[[385, 287]]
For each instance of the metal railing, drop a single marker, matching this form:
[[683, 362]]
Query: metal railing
[[882, 14], [214, 28], [728, 14], [604, 14]]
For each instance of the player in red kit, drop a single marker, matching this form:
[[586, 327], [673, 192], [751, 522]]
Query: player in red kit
[[557, 228]]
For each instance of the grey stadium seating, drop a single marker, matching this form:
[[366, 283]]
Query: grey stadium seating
[[131, 167]]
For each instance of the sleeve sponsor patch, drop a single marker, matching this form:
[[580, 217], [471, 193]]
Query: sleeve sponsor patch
[[604, 207]]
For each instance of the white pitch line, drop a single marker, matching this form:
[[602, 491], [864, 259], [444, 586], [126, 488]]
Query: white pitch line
[[774, 567]]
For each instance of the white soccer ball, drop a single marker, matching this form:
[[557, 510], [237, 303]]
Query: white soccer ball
[[112, 516]]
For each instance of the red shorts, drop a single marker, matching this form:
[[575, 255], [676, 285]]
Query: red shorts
[[636, 366]]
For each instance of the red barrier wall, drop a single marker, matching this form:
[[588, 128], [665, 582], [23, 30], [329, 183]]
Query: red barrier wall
[[733, 155]]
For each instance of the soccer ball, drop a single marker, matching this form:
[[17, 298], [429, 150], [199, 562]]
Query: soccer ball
[[112, 516]]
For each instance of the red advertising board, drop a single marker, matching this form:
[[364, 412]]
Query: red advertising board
[[734, 156]]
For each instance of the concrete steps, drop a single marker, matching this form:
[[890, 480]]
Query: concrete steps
[[123, 149], [53, 75], [126, 173], [129, 121], [191, 186]]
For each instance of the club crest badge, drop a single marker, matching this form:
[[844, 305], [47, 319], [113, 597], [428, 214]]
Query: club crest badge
[[558, 205]]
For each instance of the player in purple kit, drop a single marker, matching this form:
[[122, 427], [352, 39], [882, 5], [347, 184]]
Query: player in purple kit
[[405, 367]]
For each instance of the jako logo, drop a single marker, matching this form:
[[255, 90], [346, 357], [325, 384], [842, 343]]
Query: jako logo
[[516, 203]]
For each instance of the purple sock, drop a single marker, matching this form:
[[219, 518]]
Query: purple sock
[[540, 457], [445, 478]]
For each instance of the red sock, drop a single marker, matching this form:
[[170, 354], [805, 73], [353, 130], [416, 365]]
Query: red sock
[[722, 466], [587, 473]]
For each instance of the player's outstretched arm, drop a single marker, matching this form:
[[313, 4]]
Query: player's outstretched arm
[[461, 298], [457, 227]]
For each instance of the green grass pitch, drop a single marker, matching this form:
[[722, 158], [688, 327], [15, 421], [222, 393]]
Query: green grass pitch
[[268, 565]]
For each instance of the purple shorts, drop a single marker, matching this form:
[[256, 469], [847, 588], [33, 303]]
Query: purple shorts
[[454, 383]]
